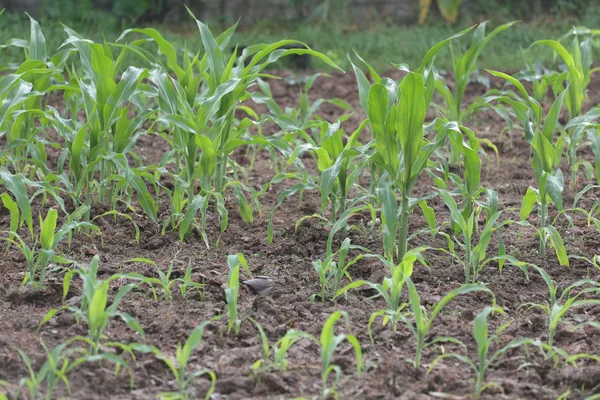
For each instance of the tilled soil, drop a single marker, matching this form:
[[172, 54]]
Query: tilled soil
[[387, 372]]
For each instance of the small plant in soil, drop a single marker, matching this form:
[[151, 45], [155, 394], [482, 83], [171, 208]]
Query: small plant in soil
[[94, 309], [178, 365], [557, 307], [484, 342]]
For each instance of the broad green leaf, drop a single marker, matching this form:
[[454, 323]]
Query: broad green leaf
[[410, 118], [529, 201], [48, 227], [558, 244]]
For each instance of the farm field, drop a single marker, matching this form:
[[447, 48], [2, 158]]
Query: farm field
[[444, 233]]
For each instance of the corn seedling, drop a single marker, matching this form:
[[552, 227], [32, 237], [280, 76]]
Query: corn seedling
[[233, 289], [178, 365], [329, 343], [44, 260], [557, 307], [484, 342], [331, 273], [274, 356], [464, 64], [94, 309], [396, 114], [578, 60], [474, 254], [96, 150], [24, 90], [391, 289], [60, 361], [588, 123], [422, 322], [539, 132]]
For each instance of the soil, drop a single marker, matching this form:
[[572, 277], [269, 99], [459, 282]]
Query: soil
[[387, 372]]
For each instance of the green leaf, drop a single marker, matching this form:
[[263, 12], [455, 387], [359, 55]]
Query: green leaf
[[529, 201], [13, 208], [14, 184], [558, 244], [48, 226], [555, 184], [37, 42], [410, 118]]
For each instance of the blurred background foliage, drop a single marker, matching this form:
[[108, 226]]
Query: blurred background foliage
[[330, 26]]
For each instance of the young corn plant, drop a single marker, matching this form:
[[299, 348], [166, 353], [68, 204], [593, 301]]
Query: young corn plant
[[25, 89], [421, 322], [60, 361], [578, 60], [396, 114], [340, 160], [331, 273], [96, 150], [588, 123], [484, 341], [329, 343], [94, 309], [557, 307], [539, 133], [233, 289], [468, 227], [42, 259], [464, 64], [198, 107], [274, 356], [178, 364], [391, 290], [165, 282]]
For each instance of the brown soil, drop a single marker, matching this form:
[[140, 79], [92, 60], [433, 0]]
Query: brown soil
[[386, 373]]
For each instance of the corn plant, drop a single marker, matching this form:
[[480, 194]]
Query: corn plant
[[96, 150], [60, 361], [204, 129], [539, 133], [165, 282], [474, 254], [464, 64], [541, 78], [422, 322], [557, 307], [588, 123], [274, 356], [94, 309], [484, 341], [233, 289], [26, 87], [340, 165], [329, 343], [578, 60], [178, 365], [391, 290], [396, 114], [331, 273], [43, 258]]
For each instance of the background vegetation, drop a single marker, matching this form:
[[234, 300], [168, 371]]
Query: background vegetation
[[382, 42]]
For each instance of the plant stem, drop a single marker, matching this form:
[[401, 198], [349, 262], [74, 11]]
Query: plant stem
[[543, 211], [572, 162], [470, 277], [402, 242], [220, 173], [419, 351]]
